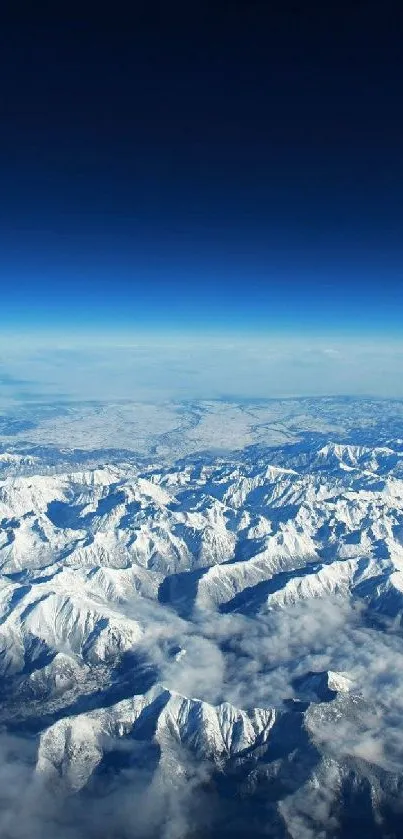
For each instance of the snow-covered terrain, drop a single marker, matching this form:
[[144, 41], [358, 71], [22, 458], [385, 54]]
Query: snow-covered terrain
[[204, 630]]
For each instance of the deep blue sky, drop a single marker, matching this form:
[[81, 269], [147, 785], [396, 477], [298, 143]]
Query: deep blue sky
[[208, 165]]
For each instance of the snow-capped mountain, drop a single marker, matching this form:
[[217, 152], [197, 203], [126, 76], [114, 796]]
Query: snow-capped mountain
[[200, 621]]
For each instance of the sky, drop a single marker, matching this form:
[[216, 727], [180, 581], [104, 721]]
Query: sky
[[208, 167]]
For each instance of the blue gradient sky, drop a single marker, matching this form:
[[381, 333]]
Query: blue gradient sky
[[275, 294], [223, 168]]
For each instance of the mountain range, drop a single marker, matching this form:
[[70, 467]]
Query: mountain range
[[208, 645]]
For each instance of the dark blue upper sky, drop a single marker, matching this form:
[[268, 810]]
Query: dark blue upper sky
[[208, 165]]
